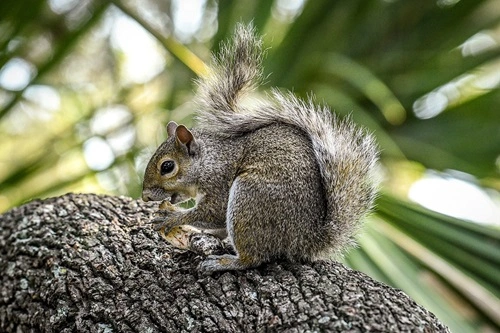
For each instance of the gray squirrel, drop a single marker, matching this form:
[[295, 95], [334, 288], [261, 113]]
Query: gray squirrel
[[282, 178]]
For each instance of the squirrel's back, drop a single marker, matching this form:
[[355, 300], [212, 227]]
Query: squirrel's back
[[345, 155]]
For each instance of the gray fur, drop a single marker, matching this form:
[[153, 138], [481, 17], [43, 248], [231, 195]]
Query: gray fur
[[288, 179], [346, 154]]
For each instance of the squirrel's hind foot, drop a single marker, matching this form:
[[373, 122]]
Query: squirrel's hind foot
[[226, 262]]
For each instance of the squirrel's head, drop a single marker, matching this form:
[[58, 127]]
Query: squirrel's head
[[163, 179]]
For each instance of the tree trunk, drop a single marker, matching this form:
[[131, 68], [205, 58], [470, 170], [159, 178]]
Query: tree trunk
[[91, 263]]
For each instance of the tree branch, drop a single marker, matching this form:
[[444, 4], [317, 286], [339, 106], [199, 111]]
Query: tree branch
[[92, 264]]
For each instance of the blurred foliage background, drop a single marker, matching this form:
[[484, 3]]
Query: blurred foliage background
[[87, 86]]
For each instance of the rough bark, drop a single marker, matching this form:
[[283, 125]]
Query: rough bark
[[91, 263]]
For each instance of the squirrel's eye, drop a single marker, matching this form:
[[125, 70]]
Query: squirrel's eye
[[167, 167]]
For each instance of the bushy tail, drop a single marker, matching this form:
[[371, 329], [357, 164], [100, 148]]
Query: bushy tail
[[346, 154], [237, 70]]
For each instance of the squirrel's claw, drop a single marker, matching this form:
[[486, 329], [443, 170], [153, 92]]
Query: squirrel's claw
[[162, 213], [225, 262], [159, 223], [164, 216], [167, 206], [165, 219]]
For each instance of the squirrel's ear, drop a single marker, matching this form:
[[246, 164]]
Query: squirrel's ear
[[186, 138], [171, 127]]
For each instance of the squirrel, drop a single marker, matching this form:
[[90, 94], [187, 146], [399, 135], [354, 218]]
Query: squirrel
[[283, 179]]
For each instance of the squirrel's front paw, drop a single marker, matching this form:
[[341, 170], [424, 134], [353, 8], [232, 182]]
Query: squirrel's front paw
[[167, 206], [160, 224], [164, 221], [165, 217]]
